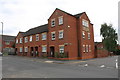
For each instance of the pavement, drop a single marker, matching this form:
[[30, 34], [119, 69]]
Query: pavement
[[25, 67]]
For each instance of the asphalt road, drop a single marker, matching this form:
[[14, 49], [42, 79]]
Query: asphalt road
[[22, 67], [0, 67]]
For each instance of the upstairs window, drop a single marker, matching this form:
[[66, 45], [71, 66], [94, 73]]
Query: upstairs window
[[85, 23], [53, 35], [60, 34], [52, 22], [20, 40], [30, 38], [60, 20], [26, 39], [88, 35], [37, 37], [89, 48], [44, 36], [16, 40], [83, 34], [61, 49], [83, 48]]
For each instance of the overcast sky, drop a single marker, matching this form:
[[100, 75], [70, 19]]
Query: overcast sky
[[21, 15]]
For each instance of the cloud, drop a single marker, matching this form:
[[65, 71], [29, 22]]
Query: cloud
[[21, 15]]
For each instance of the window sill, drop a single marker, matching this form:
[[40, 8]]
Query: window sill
[[52, 26], [60, 38], [60, 24]]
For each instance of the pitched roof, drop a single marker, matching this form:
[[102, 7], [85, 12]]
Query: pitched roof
[[36, 30], [76, 15], [8, 37], [22, 33], [97, 43]]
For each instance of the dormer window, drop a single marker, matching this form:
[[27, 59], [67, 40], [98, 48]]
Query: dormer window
[[52, 22], [60, 20]]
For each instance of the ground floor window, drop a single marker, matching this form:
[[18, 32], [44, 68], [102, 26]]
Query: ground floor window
[[61, 48], [44, 48], [26, 49], [83, 48], [86, 48], [20, 49], [89, 48]]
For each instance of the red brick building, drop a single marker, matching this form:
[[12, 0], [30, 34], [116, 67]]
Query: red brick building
[[100, 51], [66, 36], [7, 43]]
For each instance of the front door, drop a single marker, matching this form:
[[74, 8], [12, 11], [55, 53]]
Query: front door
[[52, 51], [32, 51], [36, 51]]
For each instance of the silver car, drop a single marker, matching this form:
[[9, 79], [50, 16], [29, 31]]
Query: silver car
[[1, 53]]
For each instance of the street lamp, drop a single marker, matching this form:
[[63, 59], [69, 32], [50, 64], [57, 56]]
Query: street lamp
[[2, 37]]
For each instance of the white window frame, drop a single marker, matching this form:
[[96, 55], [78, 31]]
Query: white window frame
[[87, 49], [20, 40], [61, 48], [88, 35], [83, 34], [21, 49], [44, 36], [44, 48], [83, 48], [30, 39], [52, 35], [52, 25], [37, 37], [60, 19], [26, 49], [16, 40], [61, 35], [85, 23], [26, 39], [7, 42]]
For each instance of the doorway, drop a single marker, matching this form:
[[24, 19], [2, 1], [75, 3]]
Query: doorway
[[52, 51], [36, 51], [32, 51]]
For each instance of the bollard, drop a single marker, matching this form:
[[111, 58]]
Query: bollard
[[116, 64], [86, 65]]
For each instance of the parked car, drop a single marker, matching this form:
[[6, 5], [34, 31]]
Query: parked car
[[1, 53]]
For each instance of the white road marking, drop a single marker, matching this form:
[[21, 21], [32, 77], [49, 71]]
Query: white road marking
[[102, 66], [49, 61]]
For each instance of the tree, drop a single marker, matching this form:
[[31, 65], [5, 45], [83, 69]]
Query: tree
[[109, 37]]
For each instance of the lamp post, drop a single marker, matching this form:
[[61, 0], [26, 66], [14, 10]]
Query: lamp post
[[2, 37]]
